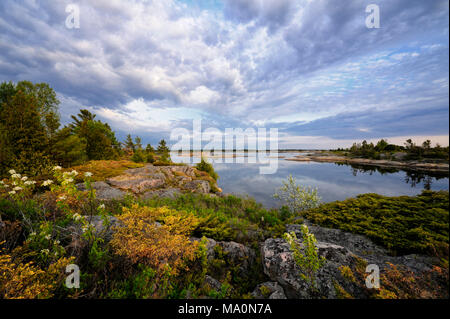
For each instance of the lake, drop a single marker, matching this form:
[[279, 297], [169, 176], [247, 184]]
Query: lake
[[333, 181]]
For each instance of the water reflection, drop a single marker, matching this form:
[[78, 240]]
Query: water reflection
[[413, 178], [334, 181]]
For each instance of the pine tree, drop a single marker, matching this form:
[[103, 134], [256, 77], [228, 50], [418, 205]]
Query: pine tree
[[149, 149], [162, 147], [163, 151], [138, 143], [129, 145], [69, 149], [25, 133]]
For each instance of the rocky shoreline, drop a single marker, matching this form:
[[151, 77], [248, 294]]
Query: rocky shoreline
[[149, 181], [341, 250], [411, 165], [346, 254]]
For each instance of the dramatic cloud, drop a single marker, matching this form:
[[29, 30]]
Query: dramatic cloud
[[311, 68]]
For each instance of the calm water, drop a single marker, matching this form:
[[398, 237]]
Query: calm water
[[334, 182]]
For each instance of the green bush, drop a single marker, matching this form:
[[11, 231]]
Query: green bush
[[204, 166], [403, 224]]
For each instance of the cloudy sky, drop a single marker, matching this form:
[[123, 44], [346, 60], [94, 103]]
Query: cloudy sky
[[312, 69]]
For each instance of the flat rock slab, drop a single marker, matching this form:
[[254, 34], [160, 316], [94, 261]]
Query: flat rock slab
[[149, 181], [104, 191], [136, 183], [162, 193], [197, 186], [364, 247]]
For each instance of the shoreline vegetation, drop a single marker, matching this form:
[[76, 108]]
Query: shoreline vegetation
[[138, 225], [408, 165], [200, 244]]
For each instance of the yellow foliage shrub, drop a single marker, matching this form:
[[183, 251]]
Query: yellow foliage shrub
[[141, 239], [27, 281]]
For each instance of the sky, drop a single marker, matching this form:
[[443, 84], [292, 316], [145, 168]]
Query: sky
[[311, 69]]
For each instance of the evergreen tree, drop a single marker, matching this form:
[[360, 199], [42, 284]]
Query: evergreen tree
[[101, 142], [80, 118], [129, 145], [69, 149], [162, 147], [163, 151], [26, 136], [149, 149], [138, 143]]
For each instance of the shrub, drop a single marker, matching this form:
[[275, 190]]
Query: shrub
[[139, 157], [204, 166], [102, 170], [144, 241], [306, 257], [297, 198], [404, 224], [25, 280]]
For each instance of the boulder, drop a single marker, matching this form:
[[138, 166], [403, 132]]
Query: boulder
[[104, 191], [136, 183], [213, 283], [210, 244], [238, 254], [102, 228], [339, 249], [163, 193], [197, 186], [279, 265], [365, 248], [269, 290]]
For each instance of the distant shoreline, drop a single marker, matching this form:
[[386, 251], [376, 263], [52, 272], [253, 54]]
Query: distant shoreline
[[411, 165]]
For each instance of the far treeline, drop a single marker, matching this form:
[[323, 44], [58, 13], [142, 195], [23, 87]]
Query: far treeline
[[384, 150], [32, 140]]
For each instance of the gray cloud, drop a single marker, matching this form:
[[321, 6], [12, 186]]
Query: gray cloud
[[300, 65]]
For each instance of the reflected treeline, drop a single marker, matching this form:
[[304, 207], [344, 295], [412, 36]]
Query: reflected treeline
[[414, 178]]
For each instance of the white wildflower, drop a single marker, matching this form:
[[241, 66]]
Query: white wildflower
[[17, 188], [28, 183], [16, 176], [62, 197], [57, 168], [24, 178], [56, 242], [76, 217], [48, 237], [102, 206], [12, 172], [88, 174], [67, 181], [74, 173], [11, 192], [47, 182]]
